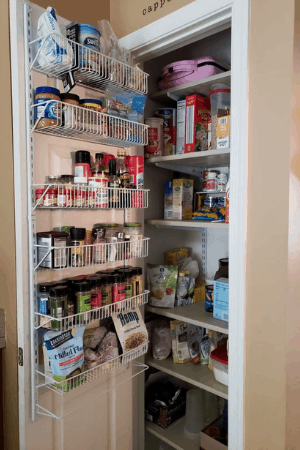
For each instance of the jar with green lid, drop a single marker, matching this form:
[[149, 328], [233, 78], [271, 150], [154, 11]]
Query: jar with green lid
[[58, 305], [83, 297], [137, 281], [127, 273], [134, 230]]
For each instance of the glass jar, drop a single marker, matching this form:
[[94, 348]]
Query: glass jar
[[111, 229], [39, 197], [222, 182], [44, 298], [222, 272], [58, 305], [61, 197], [219, 99], [99, 251], [77, 244], [137, 281], [134, 230], [118, 288], [48, 114], [83, 297], [96, 291], [127, 273], [107, 291], [50, 198], [68, 181], [70, 112], [80, 196]]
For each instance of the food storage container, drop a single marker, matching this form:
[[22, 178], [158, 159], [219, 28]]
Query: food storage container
[[219, 360], [219, 99]]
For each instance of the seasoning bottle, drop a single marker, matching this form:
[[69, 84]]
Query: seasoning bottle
[[137, 281], [68, 181], [122, 171], [39, 197], [58, 305], [118, 288], [82, 166], [134, 230], [113, 185], [70, 113], [107, 291], [83, 297], [99, 251], [127, 273], [77, 244], [56, 258], [98, 165], [96, 291], [44, 298]]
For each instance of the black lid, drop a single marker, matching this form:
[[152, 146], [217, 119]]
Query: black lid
[[99, 155], [96, 281], [118, 278], [59, 291], [124, 267], [69, 97], [78, 234], [82, 156], [83, 286], [112, 167], [107, 272], [45, 287], [223, 262], [74, 280], [137, 271], [125, 271]]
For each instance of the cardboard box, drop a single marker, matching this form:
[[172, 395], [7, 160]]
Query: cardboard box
[[163, 416], [175, 256], [223, 131], [180, 141], [183, 199], [199, 292], [168, 201], [211, 443], [221, 298], [197, 115]]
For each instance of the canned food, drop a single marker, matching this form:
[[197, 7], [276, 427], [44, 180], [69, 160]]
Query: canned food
[[209, 298]]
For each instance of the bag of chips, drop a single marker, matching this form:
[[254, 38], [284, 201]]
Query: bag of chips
[[162, 283]]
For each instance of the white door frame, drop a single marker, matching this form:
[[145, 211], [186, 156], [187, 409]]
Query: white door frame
[[189, 24]]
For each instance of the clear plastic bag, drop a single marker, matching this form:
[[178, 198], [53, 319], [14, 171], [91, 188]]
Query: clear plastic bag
[[161, 340]]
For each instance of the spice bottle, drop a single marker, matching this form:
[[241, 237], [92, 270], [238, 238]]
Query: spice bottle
[[96, 291], [107, 291], [39, 197], [118, 288], [113, 185], [77, 244], [70, 113], [83, 296], [82, 166], [127, 273], [99, 251], [137, 281], [56, 258], [58, 305], [44, 298], [98, 165], [134, 230]]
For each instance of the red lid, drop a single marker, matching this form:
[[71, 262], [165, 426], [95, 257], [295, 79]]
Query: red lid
[[220, 354], [40, 191], [51, 191], [216, 91]]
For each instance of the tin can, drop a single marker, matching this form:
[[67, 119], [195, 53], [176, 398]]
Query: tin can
[[135, 167], [169, 129], [209, 298], [155, 137]]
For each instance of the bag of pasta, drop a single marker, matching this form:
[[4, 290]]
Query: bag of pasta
[[162, 283]]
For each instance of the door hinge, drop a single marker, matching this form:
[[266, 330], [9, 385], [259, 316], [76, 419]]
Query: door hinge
[[20, 356]]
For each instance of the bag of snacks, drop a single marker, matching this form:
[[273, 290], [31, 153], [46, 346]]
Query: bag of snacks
[[131, 329], [180, 343], [161, 340], [162, 283]]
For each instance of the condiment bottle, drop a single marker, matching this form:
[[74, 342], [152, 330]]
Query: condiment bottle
[[99, 251], [39, 197], [107, 291], [127, 273], [44, 298], [77, 244], [122, 171], [137, 281], [113, 185], [83, 297], [82, 166], [58, 305], [118, 288], [96, 291]]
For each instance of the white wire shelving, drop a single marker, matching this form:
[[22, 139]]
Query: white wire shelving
[[77, 122], [78, 196], [84, 318], [90, 255], [89, 68]]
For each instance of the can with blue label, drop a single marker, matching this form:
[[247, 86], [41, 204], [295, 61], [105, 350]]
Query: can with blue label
[[209, 298], [43, 298], [48, 110], [89, 38]]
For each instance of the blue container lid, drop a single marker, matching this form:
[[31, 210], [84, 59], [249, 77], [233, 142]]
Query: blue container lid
[[91, 100], [47, 90], [91, 28]]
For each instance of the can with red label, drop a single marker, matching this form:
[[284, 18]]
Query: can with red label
[[155, 137], [135, 167], [169, 129]]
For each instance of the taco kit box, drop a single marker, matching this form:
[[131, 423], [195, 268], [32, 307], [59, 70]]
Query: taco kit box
[[197, 117]]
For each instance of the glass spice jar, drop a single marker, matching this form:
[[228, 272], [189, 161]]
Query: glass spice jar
[[83, 297], [107, 291], [134, 230], [68, 182], [137, 281], [99, 250], [50, 198], [77, 244], [127, 273], [58, 305], [61, 197], [118, 288], [96, 291], [39, 197]]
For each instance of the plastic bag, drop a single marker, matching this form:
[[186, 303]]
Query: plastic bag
[[162, 282], [126, 105], [161, 340]]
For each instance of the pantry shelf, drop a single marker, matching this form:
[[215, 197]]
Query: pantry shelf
[[194, 224], [201, 87], [173, 435], [194, 314], [197, 375], [89, 68], [76, 122], [208, 158]]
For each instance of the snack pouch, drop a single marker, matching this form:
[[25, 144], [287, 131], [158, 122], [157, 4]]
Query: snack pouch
[[131, 329], [162, 282], [64, 350], [180, 342]]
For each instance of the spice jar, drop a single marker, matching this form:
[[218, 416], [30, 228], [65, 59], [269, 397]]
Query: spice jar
[[50, 198], [221, 182], [80, 196], [127, 273], [137, 281], [58, 305], [134, 230], [44, 298], [68, 181], [77, 244], [61, 197], [70, 114], [47, 114], [118, 288], [99, 186], [111, 229], [96, 291], [83, 296], [99, 251], [107, 291], [91, 120], [56, 258], [82, 166], [39, 197]]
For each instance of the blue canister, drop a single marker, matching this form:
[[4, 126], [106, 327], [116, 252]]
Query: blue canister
[[43, 298], [42, 95], [89, 36], [209, 298]]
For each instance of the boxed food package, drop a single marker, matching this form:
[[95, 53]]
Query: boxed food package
[[183, 199], [199, 292], [168, 201], [180, 141], [169, 129], [214, 436], [180, 342], [176, 256], [223, 130], [197, 115], [221, 299]]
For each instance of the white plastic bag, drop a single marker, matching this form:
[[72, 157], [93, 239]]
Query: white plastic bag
[[161, 340]]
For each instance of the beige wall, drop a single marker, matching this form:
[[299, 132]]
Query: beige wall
[[136, 14], [7, 254]]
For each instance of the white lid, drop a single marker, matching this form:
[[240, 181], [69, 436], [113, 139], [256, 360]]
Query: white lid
[[211, 175], [222, 176]]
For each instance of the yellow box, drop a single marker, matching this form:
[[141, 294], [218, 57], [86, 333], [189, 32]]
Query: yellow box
[[223, 132], [199, 292], [176, 256]]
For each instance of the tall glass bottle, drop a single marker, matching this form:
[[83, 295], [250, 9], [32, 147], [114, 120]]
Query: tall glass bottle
[[113, 184]]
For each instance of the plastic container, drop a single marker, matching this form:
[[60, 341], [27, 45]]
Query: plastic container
[[83, 296], [222, 272], [39, 196], [118, 288], [211, 182], [155, 137], [219, 359], [222, 182], [193, 422], [47, 115], [96, 291], [127, 273], [88, 36], [58, 305], [219, 99], [70, 114], [77, 243]]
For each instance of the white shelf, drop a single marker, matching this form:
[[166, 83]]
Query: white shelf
[[187, 224], [208, 158], [201, 87], [173, 435], [194, 314], [197, 375]]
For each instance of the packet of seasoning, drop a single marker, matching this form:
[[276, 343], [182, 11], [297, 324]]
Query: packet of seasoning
[[131, 329]]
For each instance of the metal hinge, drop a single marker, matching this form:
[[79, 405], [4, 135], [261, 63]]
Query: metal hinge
[[20, 356]]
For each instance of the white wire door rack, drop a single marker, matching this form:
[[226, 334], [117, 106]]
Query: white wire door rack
[[68, 257], [84, 196], [85, 318], [77, 122]]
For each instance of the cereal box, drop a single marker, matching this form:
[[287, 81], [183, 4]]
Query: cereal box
[[180, 141], [223, 130], [197, 114], [183, 199], [168, 201]]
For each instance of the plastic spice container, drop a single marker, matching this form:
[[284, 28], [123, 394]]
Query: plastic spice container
[[88, 36], [96, 291], [118, 288], [219, 99], [99, 251], [134, 230], [55, 259], [50, 198], [99, 185], [127, 273], [107, 291], [219, 359], [61, 197], [90, 119], [77, 243], [82, 166], [58, 305], [83, 296], [70, 114], [68, 181], [211, 182], [80, 196], [47, 115], [221, 182], [137, 281], [39, 196], [44, 298]]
